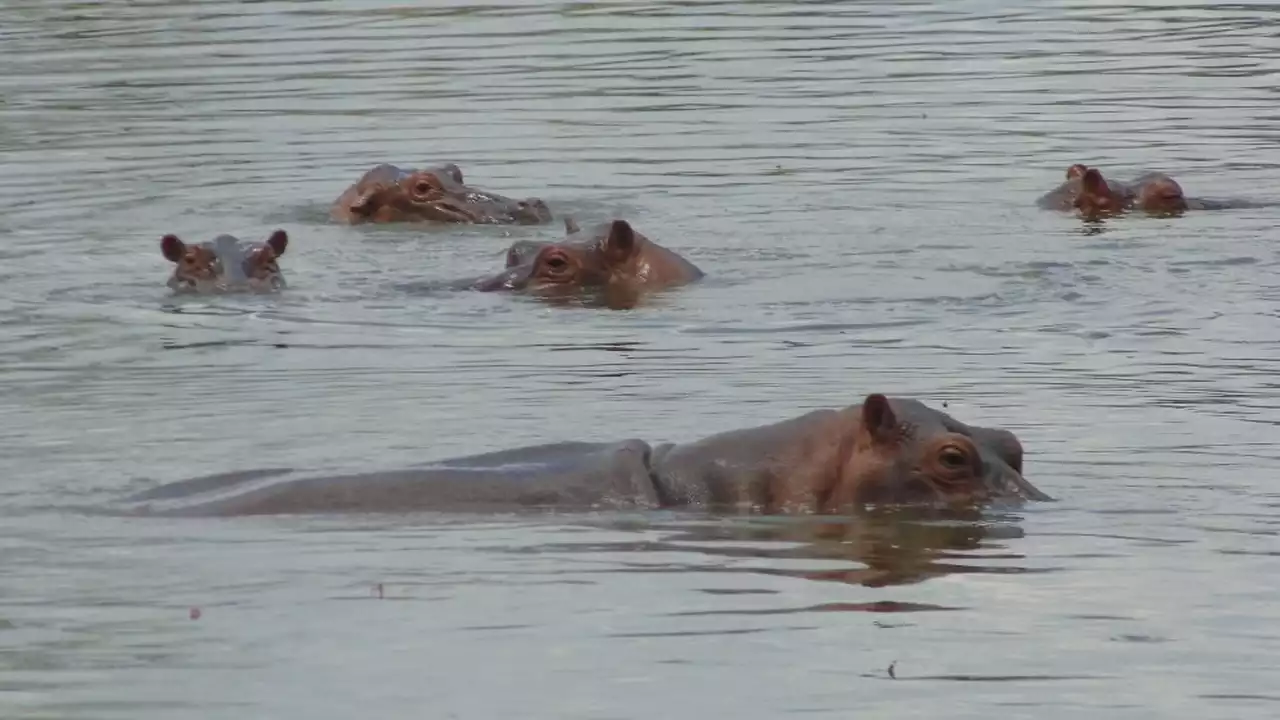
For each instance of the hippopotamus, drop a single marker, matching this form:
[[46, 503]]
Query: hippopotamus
[[225, 264], [1085, 189], [609, 256], [881, 452], [437, 194]]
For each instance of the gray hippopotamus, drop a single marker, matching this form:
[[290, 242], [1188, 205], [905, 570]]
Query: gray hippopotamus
[[880, 452], [1094, 196], [389, 194], [610, 256], [225, 264]]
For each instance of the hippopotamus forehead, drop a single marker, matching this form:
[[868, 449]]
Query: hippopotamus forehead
[[231, 252], [442, 173], [924, 418], [230, 247], [927, 421]]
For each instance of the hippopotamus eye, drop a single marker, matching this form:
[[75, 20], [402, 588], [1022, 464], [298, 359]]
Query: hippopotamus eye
[[953, 457], [556, 265], [424, 188]]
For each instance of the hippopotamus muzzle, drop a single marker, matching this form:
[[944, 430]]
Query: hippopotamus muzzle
[[514, 278], [1003, 481]]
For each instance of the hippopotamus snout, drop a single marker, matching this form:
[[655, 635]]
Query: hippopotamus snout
[[1158, 193], [1004, 481], [532, 211], [513, 278]]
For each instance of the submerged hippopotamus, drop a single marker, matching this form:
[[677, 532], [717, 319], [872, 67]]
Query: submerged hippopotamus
[[225, 264], [391, 194], [881, 452], [610, 256], [1086, 190]]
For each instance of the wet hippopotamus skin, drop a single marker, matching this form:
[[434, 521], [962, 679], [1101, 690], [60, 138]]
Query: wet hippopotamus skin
[[882, 452], [225, 264], [1095, 196], [388, 194], [610, 256]]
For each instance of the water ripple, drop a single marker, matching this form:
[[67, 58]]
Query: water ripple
[[857, 179]]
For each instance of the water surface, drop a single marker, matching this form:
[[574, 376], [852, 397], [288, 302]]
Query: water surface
[[858, 181]]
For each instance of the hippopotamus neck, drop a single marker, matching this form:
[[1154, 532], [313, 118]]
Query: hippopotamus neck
[[670, 263], [769, 468]]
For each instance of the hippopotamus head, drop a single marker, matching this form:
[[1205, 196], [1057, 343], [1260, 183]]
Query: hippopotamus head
[[904, 452], [610, 254], [1159, 194], [390, 194], [1097, 198], [225, 264]]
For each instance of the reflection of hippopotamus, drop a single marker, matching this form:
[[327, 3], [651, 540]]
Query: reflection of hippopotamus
[[1086, 190], [389, 194], [610, 256], [225, 264], [884, 546], [882, 452]]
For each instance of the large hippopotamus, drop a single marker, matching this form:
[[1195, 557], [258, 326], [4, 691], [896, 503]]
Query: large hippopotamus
[[880, 452], [610, 256], [1085, 189], [225, 264], [388, 194], [1094, 196]]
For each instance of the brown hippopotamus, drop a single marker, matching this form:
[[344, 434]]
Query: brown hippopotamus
[[225, 264], [391, 194], [882, 452], [610, 256], [1085, 189]]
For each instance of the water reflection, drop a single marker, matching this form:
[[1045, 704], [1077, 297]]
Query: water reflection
[[881, 548], [858, 181]]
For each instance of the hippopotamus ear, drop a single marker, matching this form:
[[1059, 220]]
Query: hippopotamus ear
[[878, 418], [172, 247], [278, 241], [365, 204], [620, 245], [570, 225], [1077, 170], [1093, 182], [455, 172]]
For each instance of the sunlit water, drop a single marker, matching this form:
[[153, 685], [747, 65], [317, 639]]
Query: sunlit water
[[858, 182]]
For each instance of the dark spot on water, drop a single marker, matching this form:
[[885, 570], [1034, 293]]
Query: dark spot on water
[[1139, 638], [699, 633], [877, 606], [487, 628]]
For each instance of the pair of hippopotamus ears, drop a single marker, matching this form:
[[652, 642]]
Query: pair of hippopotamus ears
[[173, 247]]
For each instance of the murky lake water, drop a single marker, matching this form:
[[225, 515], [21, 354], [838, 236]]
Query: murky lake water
[[858, 182]]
